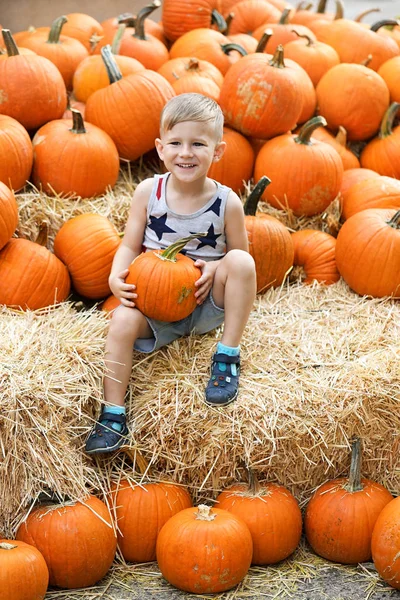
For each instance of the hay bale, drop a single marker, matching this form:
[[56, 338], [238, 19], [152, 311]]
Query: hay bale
[[319, 365]]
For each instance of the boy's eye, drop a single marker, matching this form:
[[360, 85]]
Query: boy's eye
[[174, 143], [198, 144]]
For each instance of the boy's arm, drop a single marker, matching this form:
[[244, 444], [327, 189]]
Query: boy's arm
[[235, 230], [131, 245]]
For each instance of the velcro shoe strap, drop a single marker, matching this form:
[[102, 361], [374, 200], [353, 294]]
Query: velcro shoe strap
[[226, 358], [108, 416]]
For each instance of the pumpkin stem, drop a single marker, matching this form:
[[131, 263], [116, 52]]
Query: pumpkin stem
[[172, 250], [78, 125], [387, 121], [284, 20], [339, 14], [9, 42], [228, 22], [303, 6], [305, 132], [250, 206], [266, 36], [321, 6], [360, 17], [341, 136], [218, 20], [354, 484], [7, 546], [128, 19], [366, 62], [117, 39], [384, 23], [395, 220], [113, 72], [231, 46], [254, 484], [42, 236], [55, 30], [141, 16], [277, 60], [193, 65], [310, 41], [204, 513]]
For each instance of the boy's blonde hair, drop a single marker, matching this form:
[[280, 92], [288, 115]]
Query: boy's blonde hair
[[192, 107]]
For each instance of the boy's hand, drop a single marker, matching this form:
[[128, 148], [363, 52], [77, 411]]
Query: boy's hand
[[125, 292], [204, 283]]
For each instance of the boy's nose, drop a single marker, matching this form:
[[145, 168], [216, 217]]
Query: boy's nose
[[186, 150]]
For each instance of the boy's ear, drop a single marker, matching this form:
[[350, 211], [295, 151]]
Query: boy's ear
[[219, 151], [159, 148]]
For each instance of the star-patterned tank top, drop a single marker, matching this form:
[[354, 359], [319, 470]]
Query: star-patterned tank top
[[164, 226]]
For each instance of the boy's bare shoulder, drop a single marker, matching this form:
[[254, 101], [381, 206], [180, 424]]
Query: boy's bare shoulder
[[233, 203], [142, 191]]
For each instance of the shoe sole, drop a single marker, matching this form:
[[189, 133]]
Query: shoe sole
[[110, 448], [216, 405]]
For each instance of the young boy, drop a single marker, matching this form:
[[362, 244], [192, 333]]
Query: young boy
[[165, 208]]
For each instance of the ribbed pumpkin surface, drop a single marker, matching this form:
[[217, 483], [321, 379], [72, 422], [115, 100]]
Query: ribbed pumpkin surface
[[16, 153], [8, 214]]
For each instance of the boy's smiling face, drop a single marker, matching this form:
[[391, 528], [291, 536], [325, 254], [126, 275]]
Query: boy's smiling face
[[188, 149]]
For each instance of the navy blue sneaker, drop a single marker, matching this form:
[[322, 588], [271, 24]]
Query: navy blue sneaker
[[223, 386], [103, 437]]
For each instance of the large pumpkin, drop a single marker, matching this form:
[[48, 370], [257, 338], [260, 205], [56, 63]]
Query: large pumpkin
[[141, 511], [8, 214], [372, 192], [341, 515], [349, 159], [87, 245], [272, 515], [305, 173], [235, 168], [81, 160], [368, 252], [77, 540], [270, 243], [24, 574], [315, 57], [204, 550], [352, 177], [31, 276], [16, 153], [314, 255], [382, 153], [180, 17], [386, 543], [164, 281], [389, 71]]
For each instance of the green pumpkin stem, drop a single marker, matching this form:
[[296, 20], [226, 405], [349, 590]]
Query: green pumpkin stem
[[354, 484], [284, 20], [231, 46], [266, 36], [113, 72], [277, 60], [360, 17], [251, 204], [78, 125], [9, 42], [116, 43], [141, 16], [228, 22], [304, 135], [395, 220], [384, 23], [55, 30], [387, 121], [172, 250], [218, 20]]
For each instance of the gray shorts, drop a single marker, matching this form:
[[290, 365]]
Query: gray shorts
[[204, 318]]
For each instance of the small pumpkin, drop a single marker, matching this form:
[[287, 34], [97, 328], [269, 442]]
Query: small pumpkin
[[8, 214], [214, 549], [164, 281], [179, 67], [382, 153], [24, 574], [77, 540], [368, 252], [314, 255], [272, 515], [314, 56], [386, 543], [16, 153], [341, 515], [84, 28], [141, 511]]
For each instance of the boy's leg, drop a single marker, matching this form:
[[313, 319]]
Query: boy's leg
[[109, 433], [234, 290]]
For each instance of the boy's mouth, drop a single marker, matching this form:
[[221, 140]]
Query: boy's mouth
[[186, 166]]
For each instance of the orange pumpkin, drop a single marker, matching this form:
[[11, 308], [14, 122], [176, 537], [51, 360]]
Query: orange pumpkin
[[350, 178], [82, 531], [178, 17], [316, 171], [176, 68], [31, 276], [372, 192], [81, 160], [16, 153], [315, 57], [382, 153], [236, 165], [111, 25], [349, 159], [8, 214], [368, 252], [122, 109], [304, 16], [110, 303], [87, 244], [341, 515], [250, 14], [272, 515], [24, 573], [214, 549], [165, 281], [33, 90], [283, 32], [84, 28], [389, 71], [141, 511], [192, 83], [386, 543], [357, 90], [270, 243], [314, 252]]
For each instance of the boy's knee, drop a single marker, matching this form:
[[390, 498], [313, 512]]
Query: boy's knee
[[124, 320], [241, 261]]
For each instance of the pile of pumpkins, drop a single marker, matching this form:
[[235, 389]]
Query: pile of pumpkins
[[295, 85], [201, 549]]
